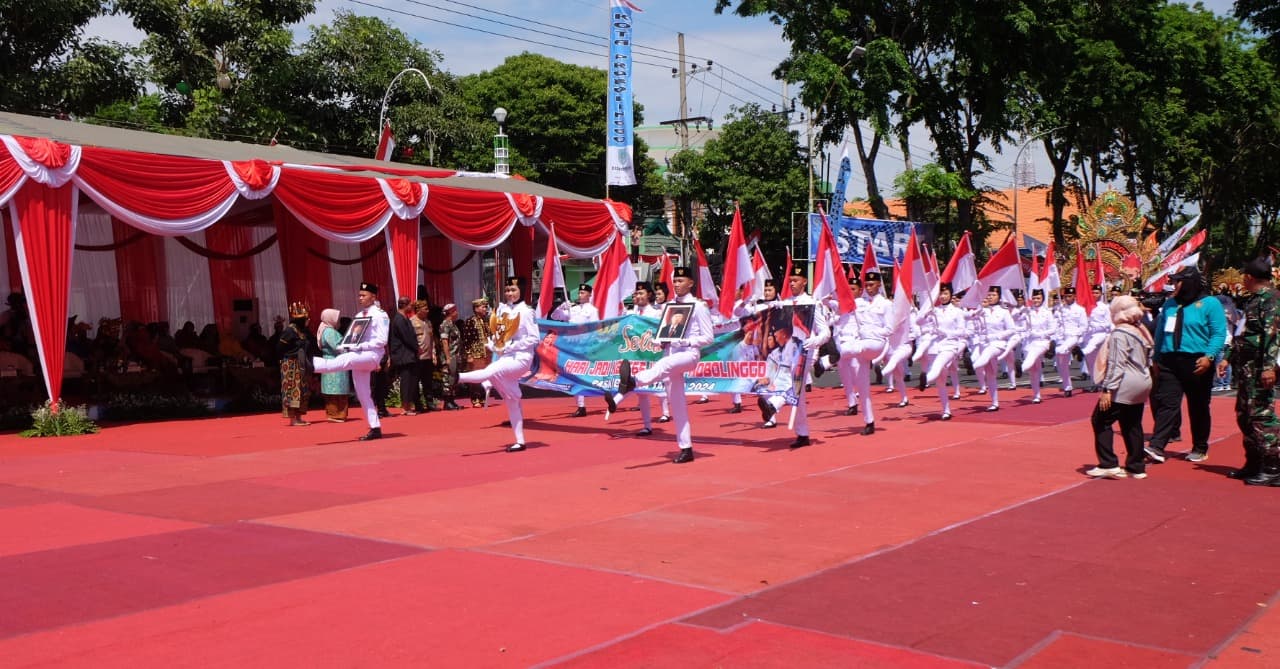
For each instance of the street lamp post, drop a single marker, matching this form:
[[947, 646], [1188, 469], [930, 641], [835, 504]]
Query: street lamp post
[[1016, 159], [501, 152], [386, 98]]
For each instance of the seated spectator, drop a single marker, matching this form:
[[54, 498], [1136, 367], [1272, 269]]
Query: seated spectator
[[229, 347], [210, 341], [187, 337], [255, 343]]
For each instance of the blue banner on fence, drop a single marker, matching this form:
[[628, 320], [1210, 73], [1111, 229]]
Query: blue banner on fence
[[759, 354], [888, 238]]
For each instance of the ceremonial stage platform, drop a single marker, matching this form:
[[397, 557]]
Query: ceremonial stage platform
[[240, 542]]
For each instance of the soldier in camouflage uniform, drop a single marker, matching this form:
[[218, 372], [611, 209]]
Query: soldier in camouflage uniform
[[1253, 357]]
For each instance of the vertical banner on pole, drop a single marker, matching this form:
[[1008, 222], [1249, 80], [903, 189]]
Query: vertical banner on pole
[[619, 144]]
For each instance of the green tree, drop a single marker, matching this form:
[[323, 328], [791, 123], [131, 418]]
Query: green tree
[[930, 193], [224, 66], [556, 124], [757, 162], [46, 67], [341, 75]]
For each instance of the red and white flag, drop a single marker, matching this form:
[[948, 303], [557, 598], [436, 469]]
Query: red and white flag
[[923, 283], [1050, 277], [737, 265], [1179, 255], [785, 292], [1004, 270], [869, 263], [615, 280], [1033, 280], [828, 273], [962, 269], [706, 286], [1100, 277], [386, 143], [552, 275], [760, 272], [903, 284], [1084, 288]]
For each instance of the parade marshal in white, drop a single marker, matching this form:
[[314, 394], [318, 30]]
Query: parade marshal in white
[[678, 358], [515, 336], [364, 356]]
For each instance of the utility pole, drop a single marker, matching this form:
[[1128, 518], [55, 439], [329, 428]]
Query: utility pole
[[681, 126]]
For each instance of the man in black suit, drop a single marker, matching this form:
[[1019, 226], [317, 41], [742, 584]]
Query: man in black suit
[[673, 326], [402, 347]]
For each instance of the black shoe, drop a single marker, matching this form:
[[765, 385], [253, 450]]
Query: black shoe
[[818, 369], [737, 408], [1156, 454], [869, 430], [768, 412], [374, 433], [851, 411], [644, 432], [580, 413], [610, 402], [1265, 477], [993, 408], [515, 448], [452, 406], [800, 442], [383, 413], [664, 419], [903, 403], [1242, 473], [1066, 393], [808, 387], [686, 455], [704, 400], [626, 382]]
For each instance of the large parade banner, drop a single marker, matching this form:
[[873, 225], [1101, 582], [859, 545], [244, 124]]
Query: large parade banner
[[760, 354], [888, 238], [620, 149]]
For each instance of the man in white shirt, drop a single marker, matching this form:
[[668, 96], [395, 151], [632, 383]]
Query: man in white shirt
[[513, 340], [998, 343], [642, 305], [582, 311], [1038, 338], [951, 333], [1100, 327], [844, 329], [679, 358], [1073, 323], [364, 356], [873, 310]]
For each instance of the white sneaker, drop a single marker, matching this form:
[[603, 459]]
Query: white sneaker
[[1105, 473], [1139, 475]]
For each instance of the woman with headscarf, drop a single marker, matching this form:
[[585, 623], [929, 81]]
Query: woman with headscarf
[[294, 347], [1124, 367], [334, 386]]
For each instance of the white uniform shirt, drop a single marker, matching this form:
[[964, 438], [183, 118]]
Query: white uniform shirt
[[375, 336], [700, 331], [648, 310], [873, 316], [1041, 325], [1100, 319], [1073, 321], [573, 312], [526, 337], [952, 325], [999, 325]]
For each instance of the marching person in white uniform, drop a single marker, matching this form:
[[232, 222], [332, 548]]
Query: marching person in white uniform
[[582, 311], [513, 341], [950, 324], [642, 305], [679, 358], [1039, 337], [1073, 324], [1100, 327], [364, 356]]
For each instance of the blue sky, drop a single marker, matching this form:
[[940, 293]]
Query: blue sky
[[744, 53]]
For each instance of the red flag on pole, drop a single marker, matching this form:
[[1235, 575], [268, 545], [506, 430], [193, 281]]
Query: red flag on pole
[[1084, 290], [386, 143], [552, 275], [785, 293]]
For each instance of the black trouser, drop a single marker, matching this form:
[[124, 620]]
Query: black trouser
[[1130, 418], [426, 369], [1176, 378], [409, 393]]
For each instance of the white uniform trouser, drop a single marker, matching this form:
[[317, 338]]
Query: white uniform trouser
[[361, 364], [1063, 360], [946, 360], [505, 373], [896, 368], [671, 369], [802, 412], [646, 410], [856, 355], [845, 370], [1091, 347], [987, 364], [1033, 366]]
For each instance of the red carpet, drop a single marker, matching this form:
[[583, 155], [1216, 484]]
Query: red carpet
[[241, 542]]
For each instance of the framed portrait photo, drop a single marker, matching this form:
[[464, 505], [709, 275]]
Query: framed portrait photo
[[674, 322], [355, 331]]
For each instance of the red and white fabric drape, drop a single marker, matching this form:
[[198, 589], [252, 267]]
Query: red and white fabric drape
[[41, 181]]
